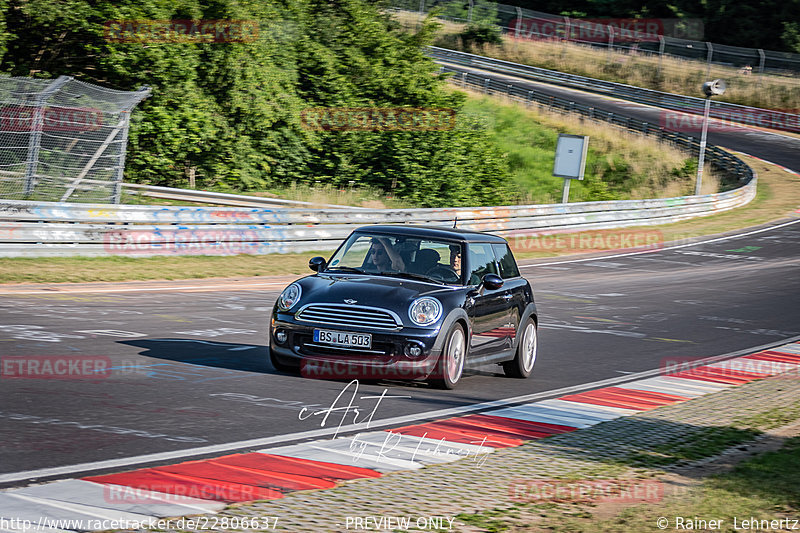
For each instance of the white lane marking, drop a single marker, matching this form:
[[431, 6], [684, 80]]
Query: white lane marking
[[718, 239], [200, 288], [394, 421]]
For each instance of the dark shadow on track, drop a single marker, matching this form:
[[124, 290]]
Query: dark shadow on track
[[231, 356], [255, 358]]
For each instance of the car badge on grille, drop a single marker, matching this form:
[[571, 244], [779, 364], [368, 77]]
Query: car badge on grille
[[350, 301]]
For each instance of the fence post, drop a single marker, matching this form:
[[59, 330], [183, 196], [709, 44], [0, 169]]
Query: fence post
[[118, 175], [567, 35], [610, 42], [660, 56], [34, 140], [761, 64]]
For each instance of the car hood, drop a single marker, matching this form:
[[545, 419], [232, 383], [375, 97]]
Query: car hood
[[376, 291]]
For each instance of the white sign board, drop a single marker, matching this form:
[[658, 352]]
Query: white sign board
[[570, 156]]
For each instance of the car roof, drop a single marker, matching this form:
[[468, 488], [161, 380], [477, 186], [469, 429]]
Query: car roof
[[433, 232]]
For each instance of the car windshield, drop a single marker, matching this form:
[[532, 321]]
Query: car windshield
[[436, 261]]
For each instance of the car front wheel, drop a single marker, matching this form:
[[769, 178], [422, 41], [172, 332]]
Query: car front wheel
[[522, 364], [451, 362]]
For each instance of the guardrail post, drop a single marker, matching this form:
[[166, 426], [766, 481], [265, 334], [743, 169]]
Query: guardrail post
[[486, 86], [530, 98], [463, 79]]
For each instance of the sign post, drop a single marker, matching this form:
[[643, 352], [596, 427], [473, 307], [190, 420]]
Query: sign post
[[570, 160]]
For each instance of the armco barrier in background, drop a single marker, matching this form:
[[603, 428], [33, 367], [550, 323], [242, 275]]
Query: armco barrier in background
[[779, 120], [38, 229]]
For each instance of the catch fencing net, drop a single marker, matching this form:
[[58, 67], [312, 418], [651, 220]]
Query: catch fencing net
[[63, 139]]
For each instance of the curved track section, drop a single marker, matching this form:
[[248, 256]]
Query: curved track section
[[777, 148]]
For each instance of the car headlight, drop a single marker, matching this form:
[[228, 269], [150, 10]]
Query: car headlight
[[289, 297], [425, 311]]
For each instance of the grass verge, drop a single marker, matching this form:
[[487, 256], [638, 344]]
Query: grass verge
[[620, 165], [760, 489]]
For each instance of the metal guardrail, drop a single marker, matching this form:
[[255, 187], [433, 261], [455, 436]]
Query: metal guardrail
[[677, 38], [39, 229], [722, 110], [221, 198]]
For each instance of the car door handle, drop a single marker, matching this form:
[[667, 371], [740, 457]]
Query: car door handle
[[507, 296]]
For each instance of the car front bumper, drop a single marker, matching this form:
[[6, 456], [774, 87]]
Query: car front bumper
[[390, 355]]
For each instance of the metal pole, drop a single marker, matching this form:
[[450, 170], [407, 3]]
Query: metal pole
[[701, 159], [660, 55], [469, 15], [422, 6], [92, 160], [567, 35], [710, 48], [762, 62], [36, 132], [565, 193], [610, 41], [519, 23], [118, 175]]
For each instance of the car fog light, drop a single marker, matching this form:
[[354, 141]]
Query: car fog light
[[413, 349], [280, 336]]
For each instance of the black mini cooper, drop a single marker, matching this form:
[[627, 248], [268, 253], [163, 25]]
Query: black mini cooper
[[407, 302]]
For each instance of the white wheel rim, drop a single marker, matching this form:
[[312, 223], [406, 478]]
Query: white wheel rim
[[529, 342], [455, 356]]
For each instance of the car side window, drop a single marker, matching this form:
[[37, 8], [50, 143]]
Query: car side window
[[481, 261], [508, 266]]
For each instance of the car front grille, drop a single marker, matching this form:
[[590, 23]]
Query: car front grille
[[349, 315]]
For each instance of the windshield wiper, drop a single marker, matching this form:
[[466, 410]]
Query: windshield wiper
[[345, 269], [409, 275]]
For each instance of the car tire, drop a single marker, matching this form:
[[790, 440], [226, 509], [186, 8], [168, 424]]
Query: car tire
[[450, 366], [522, 364]]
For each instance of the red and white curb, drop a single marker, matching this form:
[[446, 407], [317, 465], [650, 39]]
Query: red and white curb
[[207, 486]]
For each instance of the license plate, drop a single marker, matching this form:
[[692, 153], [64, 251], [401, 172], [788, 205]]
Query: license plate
[[343, 338]]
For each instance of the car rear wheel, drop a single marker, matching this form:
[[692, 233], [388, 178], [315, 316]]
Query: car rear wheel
[[522, 364], [451, 362]]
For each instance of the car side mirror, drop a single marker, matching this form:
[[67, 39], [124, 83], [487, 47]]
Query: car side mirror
[[317, 264], [492, 282]]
